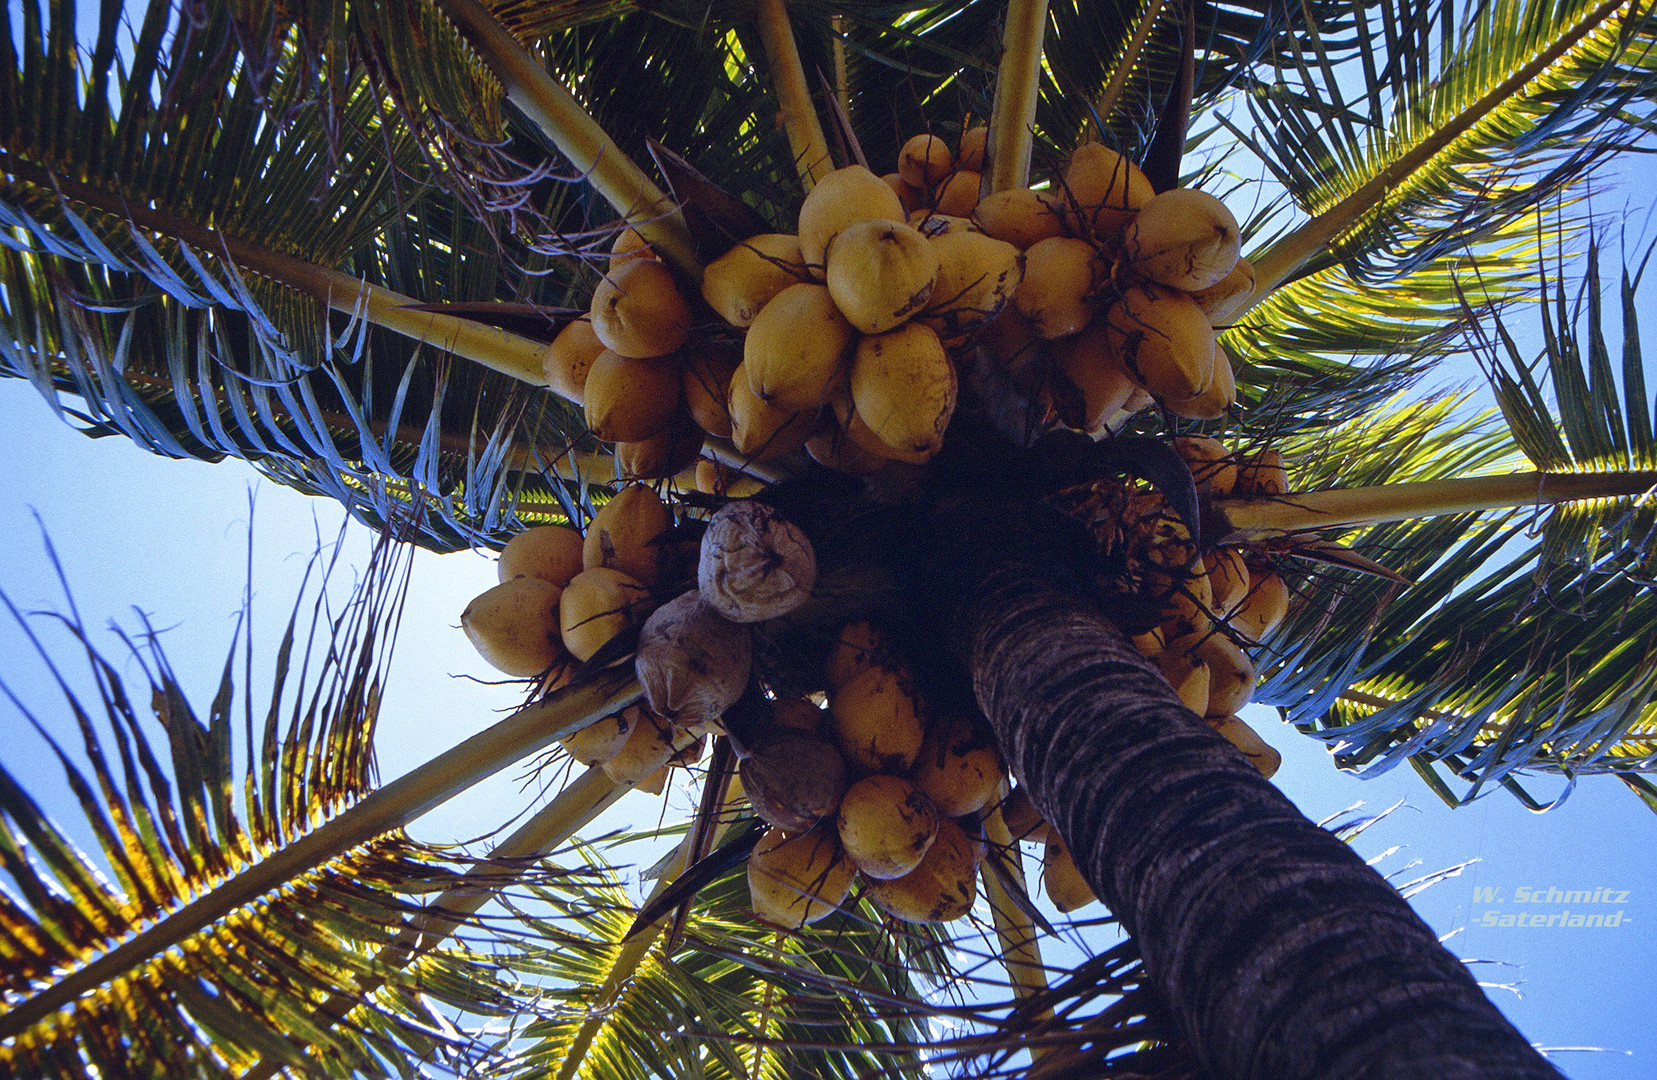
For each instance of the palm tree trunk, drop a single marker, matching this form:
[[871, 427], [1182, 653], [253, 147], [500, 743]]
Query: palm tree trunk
[[1278, 952]]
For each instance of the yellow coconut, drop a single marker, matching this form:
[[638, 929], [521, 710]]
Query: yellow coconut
[[629, 399], [1264, 606], [958, 195], [760, 431], [706, 375], [569, 357], [514, 625], [1231, 676], [1226, 298], [794, 355], [1020, 216], [624, 531], [637, 310], [959, 767], [744, 279], [1024, 821], [1061, 277], [597, 605], [842, 197], [1262, 474], [877, 720], [800, 714], [976, 277], [925, 160], [974, 141], [903, 386], [1261, 754], [649, 746], [599, 742], [1103, 189], [630, 244], [833, 448], [880, 273], [549, 552], [911, 198], [1212, 403], [1188, 675], [941, 888], [1228, 578], [665, 455], [793, 881], [1062, 878], [1212, 465], [858, 433], [1184, 239], [1163, 339], [886, 825], [1087, 361], [857, 648], [930, 223]]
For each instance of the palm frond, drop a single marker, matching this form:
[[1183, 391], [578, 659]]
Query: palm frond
[[178, 804], [1526, 644]]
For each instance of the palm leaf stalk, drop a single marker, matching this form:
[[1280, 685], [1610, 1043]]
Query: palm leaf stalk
[[1017, 87], [805, 131]]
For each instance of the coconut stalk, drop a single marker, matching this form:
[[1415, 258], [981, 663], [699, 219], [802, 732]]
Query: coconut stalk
[[1279, 263], [577, 135], [1125, 65], [496, 349], [1017, 86], [1020, 945], [1284, 515], [805, 130], [582, 800], [390, 807]]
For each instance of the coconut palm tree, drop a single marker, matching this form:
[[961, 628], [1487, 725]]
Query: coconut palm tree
[[336, 241]]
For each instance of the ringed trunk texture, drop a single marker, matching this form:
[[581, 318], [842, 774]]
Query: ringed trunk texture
[[1277, 951]]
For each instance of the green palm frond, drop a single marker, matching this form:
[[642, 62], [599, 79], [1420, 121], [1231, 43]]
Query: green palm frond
[[1525, 644], [193, 316], [177, 804]]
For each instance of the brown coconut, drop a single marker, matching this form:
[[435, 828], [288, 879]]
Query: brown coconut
[[794, 779], [692, 662], [755, 564]]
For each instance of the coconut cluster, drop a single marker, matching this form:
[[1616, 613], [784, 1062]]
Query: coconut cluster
[[875, 787]]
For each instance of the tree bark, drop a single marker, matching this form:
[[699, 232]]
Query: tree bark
[[1275, 948]]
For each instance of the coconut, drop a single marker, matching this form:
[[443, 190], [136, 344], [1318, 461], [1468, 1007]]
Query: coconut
[[597, 605], [1087, 361], [1261, 754], [931, 224], [549, 552], [958, 195], [1188, 675], [600, 741], [797, 880], [624, 534], [1224, 300], [842, 197], [1211, 464], [941, 888], [692, 662], [637, 310], [886, 825], [794, 778], [800, 714], [794, 355], [880, 272], [1228, 578], [1231, 677], [911, 198], [1163, 339], [974, 141], [755, 564], [1020, 216], [924, 161], [761, 432], [1183, 238], [514, 625], [1212, 403], [834, 449], [665, 455], [1061, 276], [959, 767], [707, 388], [858, 433], [630, 244], [1105, 189], [1024, 821], [648, 747], [1263, 607], [904, 386], [857, 647], [976, 277], [629, 400], [1262, 474], [742, 281], [877, 720], [567, 359], [1062, 878]]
